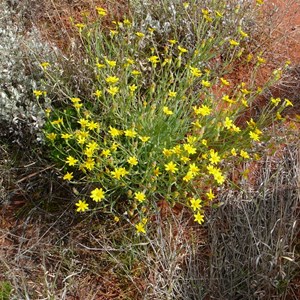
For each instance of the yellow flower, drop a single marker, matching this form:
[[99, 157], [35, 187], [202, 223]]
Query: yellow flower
[[176, 149], [97, 194], [139, 196], [186, 5], [75, 100], [126, 22], [92, 145], [112, 79], [167, 111], [251, 123], [57, 122], [172, 94], [68, 176], [219, 178], [214, 157], [136, 72], [130, 133], [259, 2], [228, 123], [287, 102], [100, 66], [261, 60], [132, 88], [114, 147], [279, 116], [71, 161], [182, 50], [204, 142], [257, 131], [144, 139], [48, 111], [244, 154], [208, 18], [185, 159], [189, 149], [244, 102], [189, 176], [114, 131], [91, 125], [171, 167], [80, 26], [45, 65], [139, 34], [254, 136], [111, 63], [249, 57], [204, 110], [156, 171], [227, 99], [193, 169], [51, 136], [132, 161], [205, 83], [101, 11], [199, 217], [119, 172], [89, 164], [210, 195], [191, 139], [195, 203], [236, 128], [211, 169], [218, 14], [206, 15], [88, 152], [205, 12], [106, 152], [197, 124], [233, 152], [129, 62], [216, 172], [172, 42], [233, 42], [83, 122], [81, 136], [140, 227], [113, 32], [77, 105], [154, 59], [66, 136], [37, 93], [113, 90], [275, 101], [242, 33], [82, 206], [167, 152], [224, 81], [195, 72]]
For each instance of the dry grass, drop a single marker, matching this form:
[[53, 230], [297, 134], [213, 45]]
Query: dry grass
[[253, 236]]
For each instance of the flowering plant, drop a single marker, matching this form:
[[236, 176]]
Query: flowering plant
[[162, 120]]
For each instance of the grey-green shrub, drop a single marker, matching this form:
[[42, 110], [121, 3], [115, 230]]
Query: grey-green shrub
[[20, 73]]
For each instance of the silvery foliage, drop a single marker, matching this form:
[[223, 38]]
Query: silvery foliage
[[20, 74]]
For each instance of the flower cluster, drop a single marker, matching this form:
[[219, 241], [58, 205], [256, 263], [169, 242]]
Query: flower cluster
[[154, 126]]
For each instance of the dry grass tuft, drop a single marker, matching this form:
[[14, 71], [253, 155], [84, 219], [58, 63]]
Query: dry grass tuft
[[253, 236]]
